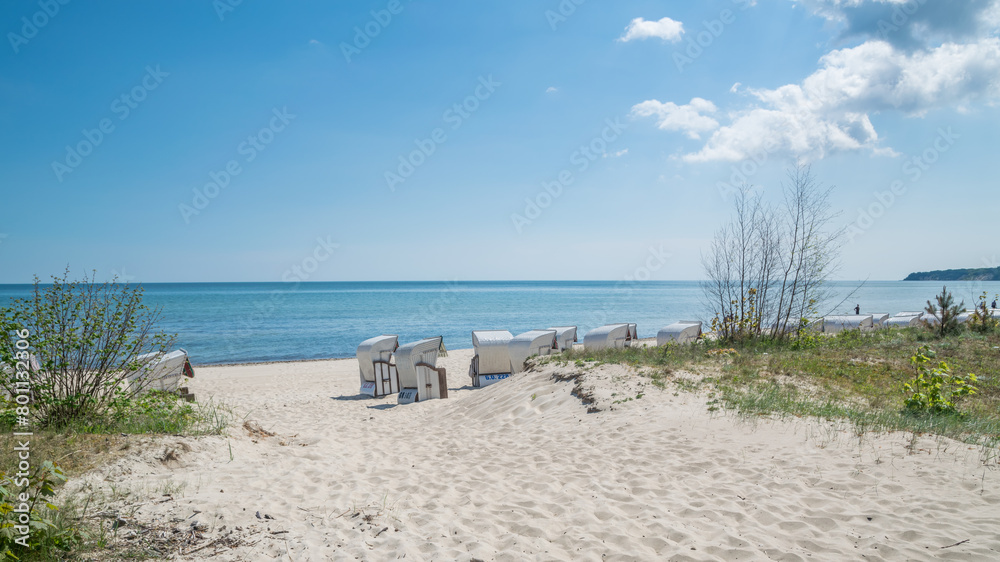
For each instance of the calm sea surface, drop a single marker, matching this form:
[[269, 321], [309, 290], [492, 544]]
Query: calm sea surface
[[252, 322]]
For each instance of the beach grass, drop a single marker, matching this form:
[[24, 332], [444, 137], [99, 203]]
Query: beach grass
[[86, 444], [853, 376]]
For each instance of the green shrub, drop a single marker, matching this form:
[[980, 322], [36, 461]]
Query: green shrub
[[28, 521], [982, 320], [88, 338], [935, 390]]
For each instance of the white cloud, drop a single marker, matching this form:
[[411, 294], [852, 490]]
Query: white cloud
[[666, 29], [829, 111], [689, 119], [551, 90], [910, 24], [618, 154]]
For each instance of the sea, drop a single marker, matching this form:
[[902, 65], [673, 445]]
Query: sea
[[221, 323]]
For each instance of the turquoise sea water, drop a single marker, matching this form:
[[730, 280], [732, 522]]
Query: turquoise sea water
[[252, 322]]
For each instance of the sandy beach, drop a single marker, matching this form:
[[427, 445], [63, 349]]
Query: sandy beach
[[521, 471]]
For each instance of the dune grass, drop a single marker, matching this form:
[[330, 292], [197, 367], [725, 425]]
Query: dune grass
[[852, 376], [86, 444]]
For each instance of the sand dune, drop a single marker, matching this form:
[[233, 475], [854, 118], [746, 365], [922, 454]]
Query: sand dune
[[521, 471]]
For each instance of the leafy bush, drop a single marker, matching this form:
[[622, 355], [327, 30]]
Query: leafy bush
[[982, 320], [935, 389], [741, 321], [89, 338], [28, 521]]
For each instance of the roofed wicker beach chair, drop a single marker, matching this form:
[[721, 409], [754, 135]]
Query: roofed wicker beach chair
[[161, 371], [964, 316], [378, 372], [879, 318], [836, 324], [565, 336], [491, 363], [609, 336], [530, 344], [685, 331], [420, 379], [904, 320]]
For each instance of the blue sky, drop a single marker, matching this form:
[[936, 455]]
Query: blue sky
[[414, 140]]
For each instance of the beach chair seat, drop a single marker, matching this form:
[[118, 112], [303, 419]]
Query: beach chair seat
[[491, 362], [420, 379], [378, 372]]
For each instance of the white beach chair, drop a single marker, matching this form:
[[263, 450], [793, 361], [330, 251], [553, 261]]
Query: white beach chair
[[530, 344], [491, 363], [612, 335], [565, 336], [685, 331], [837, 324], [420, 379], [378, 373], [160, 371], [879, 318], [907, 320]]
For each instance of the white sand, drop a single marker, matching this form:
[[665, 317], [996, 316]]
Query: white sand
[[521, 471]]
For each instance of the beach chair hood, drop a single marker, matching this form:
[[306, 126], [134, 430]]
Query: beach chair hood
[[685, 331], [611, 335], [565, 336], [529, 344]]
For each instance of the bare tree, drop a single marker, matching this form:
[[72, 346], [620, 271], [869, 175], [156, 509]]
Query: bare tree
[[767, 267]]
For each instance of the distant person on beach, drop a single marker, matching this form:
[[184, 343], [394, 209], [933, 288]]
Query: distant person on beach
[[994, 304], [857, 309]]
